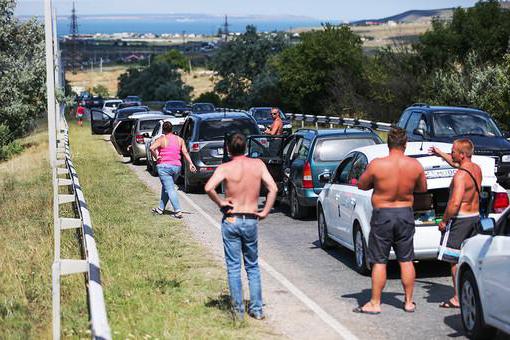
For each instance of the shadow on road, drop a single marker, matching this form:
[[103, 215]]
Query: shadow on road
[[437, 292], [455, 323], [388, 298]]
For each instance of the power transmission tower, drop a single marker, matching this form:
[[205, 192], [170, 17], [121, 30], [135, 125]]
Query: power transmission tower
[[225, 28], [73, 30]]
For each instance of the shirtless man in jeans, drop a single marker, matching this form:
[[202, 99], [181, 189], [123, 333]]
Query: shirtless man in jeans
[[462, 215], [394, 179], [242, 178]]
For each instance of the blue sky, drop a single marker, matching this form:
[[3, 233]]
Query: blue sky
[[321, 9]]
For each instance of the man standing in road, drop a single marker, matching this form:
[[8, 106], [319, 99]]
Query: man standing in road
[[462, 216], [394, 179], [242, 178], [277, 126]]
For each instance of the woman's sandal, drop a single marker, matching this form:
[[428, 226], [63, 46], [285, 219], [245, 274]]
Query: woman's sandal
[[178, 215], [157, 211], [412, 310], [448, 305]]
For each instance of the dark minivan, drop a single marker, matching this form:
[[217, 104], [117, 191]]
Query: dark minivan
[[447, 123]]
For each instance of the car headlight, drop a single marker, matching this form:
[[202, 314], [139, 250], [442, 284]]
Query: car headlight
[[287, 126], [505, 158]]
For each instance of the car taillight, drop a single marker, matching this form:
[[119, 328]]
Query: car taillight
[[307, 176], [195, 147], [139, 139], [500, 202]]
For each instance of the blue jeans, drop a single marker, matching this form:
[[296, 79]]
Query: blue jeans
[[240, 240], [167, 175]]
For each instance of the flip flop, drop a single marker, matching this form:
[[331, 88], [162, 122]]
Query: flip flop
[[360, 310], [178, 215], [157, 211], [409, 310], [448, 305]]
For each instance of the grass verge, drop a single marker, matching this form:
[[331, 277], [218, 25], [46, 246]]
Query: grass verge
[[158, 282]]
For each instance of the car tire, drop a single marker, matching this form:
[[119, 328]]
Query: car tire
[[134, 161], [360, 251], [297, 211], [322, 228], [471, 309]]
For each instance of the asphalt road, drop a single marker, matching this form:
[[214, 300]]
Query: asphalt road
[[292, 248]]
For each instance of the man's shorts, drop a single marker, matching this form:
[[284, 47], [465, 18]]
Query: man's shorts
[[457, 231], [391, 227]]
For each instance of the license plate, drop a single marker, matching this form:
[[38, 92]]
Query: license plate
[[220, 152], [442, 173]]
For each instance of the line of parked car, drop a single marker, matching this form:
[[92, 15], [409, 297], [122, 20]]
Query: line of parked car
[[317, 172]]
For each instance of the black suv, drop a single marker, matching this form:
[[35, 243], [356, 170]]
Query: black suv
[[176, 108], [204, 135], [447, 123]]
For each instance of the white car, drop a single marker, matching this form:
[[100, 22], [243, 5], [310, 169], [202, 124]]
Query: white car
[[177, 124], [344, 211], [483, 280], [109, 107]]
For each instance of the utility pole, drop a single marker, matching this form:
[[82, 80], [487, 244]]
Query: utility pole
[[101, 65], [74, 40], [225, 28]]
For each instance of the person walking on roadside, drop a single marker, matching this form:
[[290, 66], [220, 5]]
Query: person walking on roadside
[[394, 179], [80, 112], [277, 126], [167, 149], [242, 178], [461, 219]]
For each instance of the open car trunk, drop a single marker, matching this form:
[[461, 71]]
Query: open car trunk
[[429, 207]]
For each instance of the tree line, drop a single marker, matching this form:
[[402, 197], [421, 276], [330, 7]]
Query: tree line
[[22, 77]]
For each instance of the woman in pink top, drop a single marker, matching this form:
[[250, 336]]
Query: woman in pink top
[[167, 150]]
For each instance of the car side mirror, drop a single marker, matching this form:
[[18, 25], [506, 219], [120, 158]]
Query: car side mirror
[[419, 132], [487, 226], [325, 177]]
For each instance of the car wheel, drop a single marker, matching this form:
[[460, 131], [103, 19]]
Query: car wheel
[[324, 239], [360, 252], [297, 211], [471, 309]]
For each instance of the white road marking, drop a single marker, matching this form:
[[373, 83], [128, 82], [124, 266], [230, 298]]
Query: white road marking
[[321, 313]]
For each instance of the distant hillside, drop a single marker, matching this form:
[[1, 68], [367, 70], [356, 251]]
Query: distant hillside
[[411, 16]]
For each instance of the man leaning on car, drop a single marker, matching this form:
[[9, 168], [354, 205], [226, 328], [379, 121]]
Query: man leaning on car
[[394, 179]]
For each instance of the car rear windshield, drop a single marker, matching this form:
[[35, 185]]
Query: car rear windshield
[[334, 150], [147, 125], [111, 104], [203, 108], [447, 124], [265, 114], [216, 129], [176, 105]]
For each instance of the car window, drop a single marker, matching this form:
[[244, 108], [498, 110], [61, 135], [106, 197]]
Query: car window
[[358, 167], [294, 153], [155, 132], [170, 105], [414, 122], [334, 150], [98, 115], [304, 148], [111, 104], [449, 125], [147, 125], [124, 127], [188, 133], [216, 129], [343, 171], [203, 108], [403, 120]]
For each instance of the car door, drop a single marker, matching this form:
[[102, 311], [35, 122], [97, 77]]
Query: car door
[[495, 275], [122, 136], [289, 153], [351, 195], [269, 149], [333, 198], [297, 164], [100, 122]]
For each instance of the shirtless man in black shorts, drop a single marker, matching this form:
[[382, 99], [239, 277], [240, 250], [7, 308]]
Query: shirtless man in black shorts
[[462, 215], [394, 179]]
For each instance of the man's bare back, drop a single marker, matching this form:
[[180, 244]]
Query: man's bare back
[[242, 178], [394, 179]]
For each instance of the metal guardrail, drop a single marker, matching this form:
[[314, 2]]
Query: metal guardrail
[[331, 120], [64, 175], [68, 177]]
